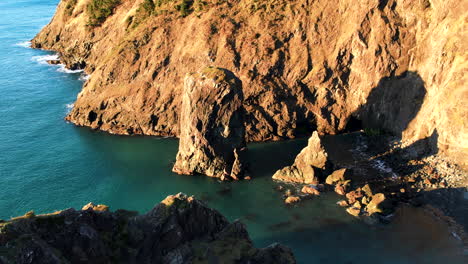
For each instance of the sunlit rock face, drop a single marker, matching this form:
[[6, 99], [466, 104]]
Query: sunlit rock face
[[212, 131], [304, 66], [311, 159]]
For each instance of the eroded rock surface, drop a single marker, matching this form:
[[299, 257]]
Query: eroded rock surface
[[308, 162], [212, 132], [179, 230], [396, 65]]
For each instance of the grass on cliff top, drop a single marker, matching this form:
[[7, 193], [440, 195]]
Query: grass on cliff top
[[100, 10], [150, 8]]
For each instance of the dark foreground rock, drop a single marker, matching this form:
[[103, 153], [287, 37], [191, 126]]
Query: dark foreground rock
[[180, 229], [212, 131]]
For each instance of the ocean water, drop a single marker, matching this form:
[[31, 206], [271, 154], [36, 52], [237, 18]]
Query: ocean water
[[47, 164]]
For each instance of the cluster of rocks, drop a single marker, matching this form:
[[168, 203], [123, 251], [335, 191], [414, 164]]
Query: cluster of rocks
[[360, 201], [180, 229], [308, 172]]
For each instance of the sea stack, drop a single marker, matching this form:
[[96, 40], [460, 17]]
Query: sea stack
[[311, 159], [212, 130]]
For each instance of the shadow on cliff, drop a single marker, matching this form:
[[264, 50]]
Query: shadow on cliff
[[391, 105], [389, 110]]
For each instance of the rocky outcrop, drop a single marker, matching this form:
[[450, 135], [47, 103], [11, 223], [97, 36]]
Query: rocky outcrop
[[311, 160], [395, 65], [179, 230], [212, 132]]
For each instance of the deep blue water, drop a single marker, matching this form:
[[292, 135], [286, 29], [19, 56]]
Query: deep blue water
[[47, 164]]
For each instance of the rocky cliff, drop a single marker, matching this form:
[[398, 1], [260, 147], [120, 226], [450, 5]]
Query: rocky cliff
[[180, 229], [390, 65]]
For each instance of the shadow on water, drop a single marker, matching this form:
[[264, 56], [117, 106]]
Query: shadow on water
[[414, 236], [266, 158]]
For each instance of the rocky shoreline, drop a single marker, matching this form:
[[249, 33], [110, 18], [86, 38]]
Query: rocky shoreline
[[380, 174], [180, 229], [364, 77]]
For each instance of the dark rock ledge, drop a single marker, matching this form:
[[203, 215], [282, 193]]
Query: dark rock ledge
[[179, 230]]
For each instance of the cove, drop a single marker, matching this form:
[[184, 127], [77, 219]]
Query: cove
[[47, 164]]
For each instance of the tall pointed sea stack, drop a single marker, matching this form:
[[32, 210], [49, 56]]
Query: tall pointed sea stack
[[311, 159], [212, 131]]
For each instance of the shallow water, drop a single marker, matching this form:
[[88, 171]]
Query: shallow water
[[47, 164]]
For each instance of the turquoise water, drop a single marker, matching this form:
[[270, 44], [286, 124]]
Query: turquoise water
[[47, 164]]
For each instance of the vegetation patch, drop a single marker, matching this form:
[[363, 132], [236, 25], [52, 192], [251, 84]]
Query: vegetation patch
[[70, 7], [373, 132], [150, 8], [100, 10], [145, 10]]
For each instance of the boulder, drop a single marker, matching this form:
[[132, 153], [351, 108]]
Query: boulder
[[292, 199], [355, 209], [53, 62], [180, 229], [342, 203], [352, 196], [367, 190], [336, 176], [212, 132], [99, 207], [311, 159], [340, 189], [310, 190], [374, 205]]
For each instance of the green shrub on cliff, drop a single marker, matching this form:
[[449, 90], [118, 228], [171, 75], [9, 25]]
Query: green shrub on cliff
[[145, 10], [185, 7], [70, 7], [100, 10], [150, 8]]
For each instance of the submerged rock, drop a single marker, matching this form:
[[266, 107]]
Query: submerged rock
[[212, 137], [180, 229], [311, 159]]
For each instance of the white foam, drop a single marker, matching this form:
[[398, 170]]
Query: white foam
[[84, 77], [63, 69], [69, 107], [24, 44], [44, 58], [382, 166]]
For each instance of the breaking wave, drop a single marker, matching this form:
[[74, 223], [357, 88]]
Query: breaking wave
[[44, 58], [62, 68], [24, 44]]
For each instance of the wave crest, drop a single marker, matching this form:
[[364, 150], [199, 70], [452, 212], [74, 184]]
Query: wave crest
[[24, 44]]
